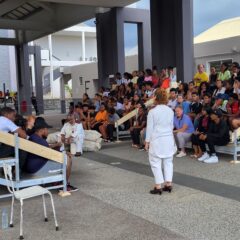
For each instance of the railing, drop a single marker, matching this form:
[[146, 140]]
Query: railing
[[130, 115]]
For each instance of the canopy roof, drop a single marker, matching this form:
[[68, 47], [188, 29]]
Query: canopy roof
[[32, 19]]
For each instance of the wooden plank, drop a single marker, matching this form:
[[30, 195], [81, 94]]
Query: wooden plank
[[133, 113], [32, 147], [127, 117]]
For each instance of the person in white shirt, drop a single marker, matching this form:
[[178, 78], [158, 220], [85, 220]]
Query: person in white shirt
[[7, 125], [171, 74], [118, 78], [160, 142], [72, 135], [172, 103]]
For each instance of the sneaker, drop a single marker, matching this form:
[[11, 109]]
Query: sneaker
[[212, 159], [181, 154], [204, 157], [141, 148], [71, 188]]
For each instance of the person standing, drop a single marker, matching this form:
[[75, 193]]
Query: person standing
[[160, 142], [34, 103]]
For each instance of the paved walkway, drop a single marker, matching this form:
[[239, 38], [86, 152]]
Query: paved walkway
[[113, 202]]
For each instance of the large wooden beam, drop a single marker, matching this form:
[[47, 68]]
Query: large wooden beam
[[31, 147], [132, 113]]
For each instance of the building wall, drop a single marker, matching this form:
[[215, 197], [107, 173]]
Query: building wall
[[69, 48], [217, 50], [88, 72]]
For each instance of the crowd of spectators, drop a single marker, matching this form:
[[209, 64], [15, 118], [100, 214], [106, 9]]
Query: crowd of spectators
[[205, 109]]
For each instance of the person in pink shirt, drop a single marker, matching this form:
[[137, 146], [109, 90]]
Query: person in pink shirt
[[148, 75]]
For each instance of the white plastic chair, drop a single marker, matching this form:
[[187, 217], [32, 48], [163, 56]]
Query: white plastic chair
[[26, 193]]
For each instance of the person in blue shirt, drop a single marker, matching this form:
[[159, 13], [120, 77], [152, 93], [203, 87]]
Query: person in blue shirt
[[183, 103], [39, 166], [183, 130]]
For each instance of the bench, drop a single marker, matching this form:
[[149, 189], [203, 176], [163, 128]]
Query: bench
[[233, 148], [24, 180]]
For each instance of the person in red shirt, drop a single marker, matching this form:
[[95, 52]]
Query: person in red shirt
[[155, 78], [232, 108]]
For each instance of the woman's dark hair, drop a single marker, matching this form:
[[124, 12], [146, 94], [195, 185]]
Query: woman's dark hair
[[86, 95], [200, 87], [226, 66], [148, 71], [20, 121], [207, 109], [111, 111]]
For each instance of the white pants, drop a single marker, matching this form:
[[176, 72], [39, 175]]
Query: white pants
[[156, 166]]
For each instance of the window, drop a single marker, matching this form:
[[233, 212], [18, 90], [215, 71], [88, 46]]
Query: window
[[217, 64]]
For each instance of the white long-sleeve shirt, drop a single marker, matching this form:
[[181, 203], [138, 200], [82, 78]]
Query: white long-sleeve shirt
[[160, 131]]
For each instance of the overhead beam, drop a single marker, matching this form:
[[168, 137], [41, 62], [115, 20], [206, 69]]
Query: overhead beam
[[9, 5], [8, 41], [24, 25]]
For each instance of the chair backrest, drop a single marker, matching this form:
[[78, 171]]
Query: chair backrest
[[8, 176]]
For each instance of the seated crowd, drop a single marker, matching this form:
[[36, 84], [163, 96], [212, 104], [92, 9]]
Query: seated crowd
[[206, 108]]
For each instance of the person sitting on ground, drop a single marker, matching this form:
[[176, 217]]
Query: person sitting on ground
[[228, 87], [149, 93], [97, 101], [100, 118], [135, 77], [200, 76], [212, 78], [224, 73], [183, 130], [217, 134], [195, 108], [7, 125], [73, 133], [107, 129], [172, 103], [232, 107], [136, 129], [221, 101], [207, 100], [39, 166], [202, 128], [235, 72], [219, 88], [148, 75], [183, 103]]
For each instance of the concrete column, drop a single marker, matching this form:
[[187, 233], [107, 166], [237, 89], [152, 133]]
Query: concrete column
[[83, 47], [172, 35], [38, 78], [51, 62], [110, 44], [24, 80], [62, 95]]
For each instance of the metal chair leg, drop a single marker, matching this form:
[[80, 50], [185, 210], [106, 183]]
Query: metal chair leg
[[44, 209], [21, 221], [54, 212], [11, 218]]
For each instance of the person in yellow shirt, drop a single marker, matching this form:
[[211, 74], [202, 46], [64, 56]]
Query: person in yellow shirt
[[200, 76]]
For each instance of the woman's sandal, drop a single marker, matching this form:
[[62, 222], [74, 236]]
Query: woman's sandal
[[156, 191], [167, 189]]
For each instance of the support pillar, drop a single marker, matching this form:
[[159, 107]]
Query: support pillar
[[110, 44], [83, 47], [172, 36], [62, 95], [38, 78], [24, 80]]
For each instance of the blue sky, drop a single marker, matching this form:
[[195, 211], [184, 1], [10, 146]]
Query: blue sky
[[206, 13]]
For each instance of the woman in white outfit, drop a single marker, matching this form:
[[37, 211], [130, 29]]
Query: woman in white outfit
[[160, 142]]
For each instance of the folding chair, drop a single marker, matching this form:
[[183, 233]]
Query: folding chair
[[26, 193]]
